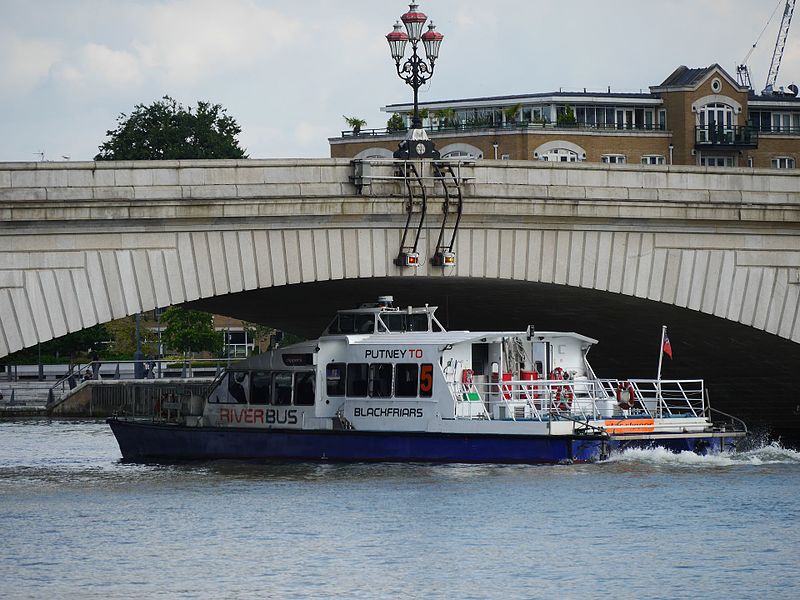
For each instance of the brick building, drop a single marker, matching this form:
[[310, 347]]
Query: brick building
[[695, 117]]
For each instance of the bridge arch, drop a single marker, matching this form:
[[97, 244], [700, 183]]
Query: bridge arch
[[88, 243]]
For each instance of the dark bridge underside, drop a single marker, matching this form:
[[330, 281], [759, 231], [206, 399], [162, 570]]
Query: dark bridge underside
[[748, 373]]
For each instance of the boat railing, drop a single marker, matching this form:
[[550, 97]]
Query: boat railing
[[662, 398], [583, 398], [536, 400]]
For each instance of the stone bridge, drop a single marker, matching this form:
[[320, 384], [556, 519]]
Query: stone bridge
[[610, 251]]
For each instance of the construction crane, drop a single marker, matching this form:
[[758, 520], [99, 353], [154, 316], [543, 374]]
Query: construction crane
[[743, 71], [780, 45]]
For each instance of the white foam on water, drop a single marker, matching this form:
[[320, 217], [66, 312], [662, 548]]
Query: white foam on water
[[768, 454]]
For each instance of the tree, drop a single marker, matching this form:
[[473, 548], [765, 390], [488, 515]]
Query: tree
[[166, 130], [69, 346], [123, 337], [395, 123], [189, 331]]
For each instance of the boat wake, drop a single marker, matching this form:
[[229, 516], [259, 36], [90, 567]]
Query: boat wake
[[767, 454]]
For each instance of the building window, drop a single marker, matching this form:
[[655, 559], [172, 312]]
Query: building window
[[613, 159], [783, 162], [786, 122], [560, 155], [662, 118], [716, 161], [750, 161], [715, 121], [505, 157], [653, 159]]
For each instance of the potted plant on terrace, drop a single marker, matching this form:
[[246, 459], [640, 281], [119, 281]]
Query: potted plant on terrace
[[355, 124]]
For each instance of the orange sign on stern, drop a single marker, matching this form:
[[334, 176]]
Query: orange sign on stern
[[630, 425]]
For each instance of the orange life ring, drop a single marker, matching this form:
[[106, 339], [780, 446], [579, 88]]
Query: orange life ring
[[626, 395]]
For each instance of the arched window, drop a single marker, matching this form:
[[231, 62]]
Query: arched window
[[716, 114], [559, 151], [559, 155], [465, 151], [715, 120], [373, 153]]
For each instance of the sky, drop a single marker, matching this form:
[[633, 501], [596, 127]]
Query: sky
[[288, 71]]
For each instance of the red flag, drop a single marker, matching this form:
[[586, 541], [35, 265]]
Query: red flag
[[667, 347]]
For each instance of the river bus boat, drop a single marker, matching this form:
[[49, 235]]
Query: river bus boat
[[391, 384]]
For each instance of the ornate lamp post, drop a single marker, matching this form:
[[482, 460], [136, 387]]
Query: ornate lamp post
[[415, 71]]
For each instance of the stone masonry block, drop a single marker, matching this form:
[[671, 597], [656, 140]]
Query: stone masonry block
[[81, 178], [163, 177]]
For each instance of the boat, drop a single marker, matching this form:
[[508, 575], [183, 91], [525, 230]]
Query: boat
[[384, 383]]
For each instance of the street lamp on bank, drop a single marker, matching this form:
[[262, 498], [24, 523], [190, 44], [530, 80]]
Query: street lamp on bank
[[415, 71]]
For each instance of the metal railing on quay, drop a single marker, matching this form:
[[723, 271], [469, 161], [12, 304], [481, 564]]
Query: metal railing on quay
[[197, 368]]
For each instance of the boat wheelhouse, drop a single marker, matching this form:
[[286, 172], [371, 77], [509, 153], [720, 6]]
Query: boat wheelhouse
[[384, 383]]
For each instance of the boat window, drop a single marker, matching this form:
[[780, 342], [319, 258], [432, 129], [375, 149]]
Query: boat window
[[283, 389], [237, 386], [260, 387], [426, 380], [418, 322], [304, 388], [394, 321], [357, 379], [334, 377], [406, 379], [365, 323], [346, 323], [380, 380], [333, 326]]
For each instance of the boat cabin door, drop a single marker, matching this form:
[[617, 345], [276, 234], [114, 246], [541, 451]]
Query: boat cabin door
[[541, 353]]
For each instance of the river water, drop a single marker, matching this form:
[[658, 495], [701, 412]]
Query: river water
[[75, 522]]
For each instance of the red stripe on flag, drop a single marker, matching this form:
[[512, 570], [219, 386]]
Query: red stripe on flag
[[667, 347]]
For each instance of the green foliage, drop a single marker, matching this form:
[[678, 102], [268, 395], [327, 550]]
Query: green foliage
[[566, 118], [512, 112], [70, 345], [447, 117], [395, 123], [166, 130], [123, 338], [189, 331], [355, 123]]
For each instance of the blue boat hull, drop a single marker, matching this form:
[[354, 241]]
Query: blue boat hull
[[146, 441]]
